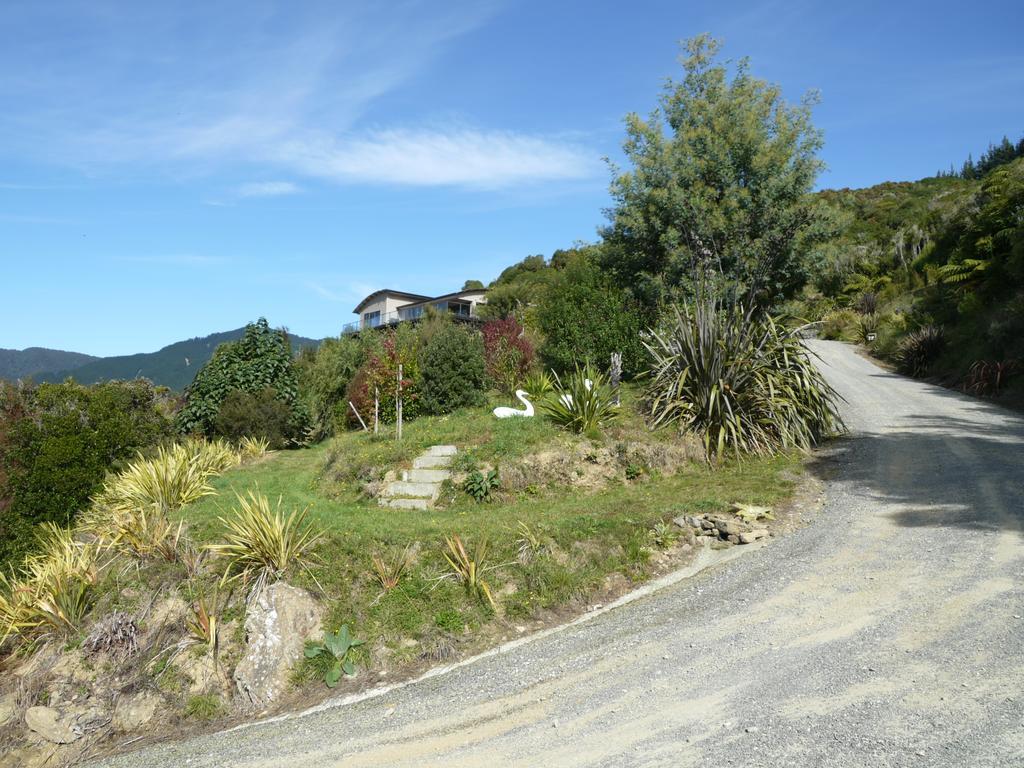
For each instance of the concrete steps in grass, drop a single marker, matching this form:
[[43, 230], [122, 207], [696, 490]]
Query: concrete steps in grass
[[419, 487]]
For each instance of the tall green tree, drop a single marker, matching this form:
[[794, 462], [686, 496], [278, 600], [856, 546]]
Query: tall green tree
[[718, 184], [261, 359]]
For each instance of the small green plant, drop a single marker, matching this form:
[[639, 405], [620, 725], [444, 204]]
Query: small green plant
[[388, 572], [539, 384], [450, 621], [250, 448], [529, 545], [583, 403], [633, 471], [334, 653], [202, 624], [479, 485], [205, 707], [468, 569], [664, 534]]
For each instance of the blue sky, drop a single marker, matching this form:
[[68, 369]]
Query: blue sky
[[169, 170]]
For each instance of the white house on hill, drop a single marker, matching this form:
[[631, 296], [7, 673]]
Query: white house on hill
[[389, 307]]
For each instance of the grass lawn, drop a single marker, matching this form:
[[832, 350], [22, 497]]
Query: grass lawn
[[549, 548]]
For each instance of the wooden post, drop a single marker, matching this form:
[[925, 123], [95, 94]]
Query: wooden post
[[376, 410], [357, 415], [398, 403], [616, 374]]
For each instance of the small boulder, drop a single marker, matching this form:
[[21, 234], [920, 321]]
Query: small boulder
[[133, 712], [728, 527], [749, 537], [277, 625], [49, 724]]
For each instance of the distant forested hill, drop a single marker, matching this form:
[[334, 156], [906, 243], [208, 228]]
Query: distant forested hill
[[173, 366], [22, 363]]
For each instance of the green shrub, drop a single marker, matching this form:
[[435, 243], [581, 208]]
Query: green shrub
[[585, 318], [259, 414], [452, 370], [204, 707], [918, 350], [260, 360], [57, 443], [838, 325], [324, 373], [507, 352], [739, 380]]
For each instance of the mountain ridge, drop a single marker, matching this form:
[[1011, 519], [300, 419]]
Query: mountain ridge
[[173, 366]]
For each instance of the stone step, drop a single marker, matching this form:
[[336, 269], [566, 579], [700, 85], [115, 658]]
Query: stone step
[[428, 475], [431, 462], [406, 503], [442, 450], [413, 490]]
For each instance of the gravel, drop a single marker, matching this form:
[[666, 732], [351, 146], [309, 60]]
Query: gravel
[[886, 632]]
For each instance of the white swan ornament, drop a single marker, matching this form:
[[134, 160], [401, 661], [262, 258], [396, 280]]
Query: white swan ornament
[[504, 412]]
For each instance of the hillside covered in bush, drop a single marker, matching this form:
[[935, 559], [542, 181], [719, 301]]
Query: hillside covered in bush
[[930, 274]]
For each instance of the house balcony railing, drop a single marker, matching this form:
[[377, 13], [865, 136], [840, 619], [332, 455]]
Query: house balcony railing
[[458, 311]]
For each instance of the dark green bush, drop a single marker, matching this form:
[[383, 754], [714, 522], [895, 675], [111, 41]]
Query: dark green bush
[[261, 359], [255, 414], [918, 350], [57, 443], [585, 318], [452, 370]]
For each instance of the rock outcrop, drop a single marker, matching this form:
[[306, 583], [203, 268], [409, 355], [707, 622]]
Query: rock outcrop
[[277, 625]]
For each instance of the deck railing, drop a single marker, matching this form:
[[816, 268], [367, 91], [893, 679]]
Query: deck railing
[[458, 311]]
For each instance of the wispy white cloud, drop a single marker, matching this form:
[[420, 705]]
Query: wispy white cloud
[[289, 93], [436, 157], [268, 189]]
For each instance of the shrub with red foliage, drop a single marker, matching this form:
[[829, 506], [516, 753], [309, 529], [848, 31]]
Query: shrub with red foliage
[[507, 351], [380, 372]]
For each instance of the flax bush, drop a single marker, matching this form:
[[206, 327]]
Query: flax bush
[[739, 379]]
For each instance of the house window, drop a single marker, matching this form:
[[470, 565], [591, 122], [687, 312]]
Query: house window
[[371, 319]]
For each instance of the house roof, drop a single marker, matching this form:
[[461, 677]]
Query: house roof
[[388, 292]]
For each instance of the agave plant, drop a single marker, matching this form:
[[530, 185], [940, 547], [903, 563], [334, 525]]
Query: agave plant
[[739, 379], [583, 402], [262, 542], [918, 350]]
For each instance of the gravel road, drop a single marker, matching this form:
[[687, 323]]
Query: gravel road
[[887, 632]]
